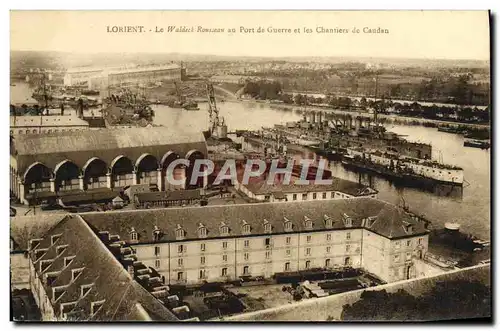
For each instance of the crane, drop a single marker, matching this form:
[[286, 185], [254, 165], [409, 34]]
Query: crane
[[215, 120]]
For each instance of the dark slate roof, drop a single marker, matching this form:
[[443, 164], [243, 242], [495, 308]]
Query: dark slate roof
[[212, 217], [123, 296], [338, 184], [168, 196], [25, 228], [80, 146]]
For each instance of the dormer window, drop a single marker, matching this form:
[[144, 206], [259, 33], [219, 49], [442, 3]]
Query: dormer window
[[179, 232], [409, 228], [95, 306], [39, 253], [133, 235], [54, 238], [34, 243], [67, 307], [328, 222], [67, 260], [202, 231], [308, 223], [85, 289], [347, 221], [44, 265], [288, 225], [245, 228], [224, 229], [267, 227], [61, 249], [58, 292], [75, 273], [157, 234]]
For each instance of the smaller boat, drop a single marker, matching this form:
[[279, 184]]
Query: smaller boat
[[483, 144]]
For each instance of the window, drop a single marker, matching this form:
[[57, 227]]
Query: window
[[246, 270], [95, 306], [179, 233], [397, 244], [314, 196], [133, 236], [85, 289], [324, 195], [328, 249], [202, 232], [58, 293], [246, 243], [246, 228], [75, 273], [327, 263], [408, 256], [267, 242], [268, 255], [54, 238], [202, 260], [288, 252], [288, 240], [245, 256], [224, 272], [157, 250], [202, 274], [329, 237], [224, 230], [347, 248], [294, 197], [408, 243], [267, 227], [287, 266], [288, 226], [180, 276], [396, 258], [224, 258], [61, 249], [347, 261], [156, 233], [308, 251], [308, 264], [224, 245], [308, 239], [348, 236], [180, 262], [308, 224], [180, 249], [304, 196], [332, 195], [420, 240], [157, 264], [202, 247]]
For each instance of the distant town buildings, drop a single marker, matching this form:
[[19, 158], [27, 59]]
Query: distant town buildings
[[97, 78]]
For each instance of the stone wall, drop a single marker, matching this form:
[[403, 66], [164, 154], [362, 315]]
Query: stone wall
[[331, 307]]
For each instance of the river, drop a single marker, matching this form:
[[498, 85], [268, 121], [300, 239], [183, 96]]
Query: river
[[469, 206]]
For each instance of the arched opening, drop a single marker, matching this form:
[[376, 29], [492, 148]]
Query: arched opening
[[191, 156], [94, 174], [66, 176], [122, 171], [147, 169], [347, 261], [178, 172], [37, 178]]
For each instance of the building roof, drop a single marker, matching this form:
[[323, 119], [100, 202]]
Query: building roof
[[259, 187], [123, 299], [24, 228], [234, 216], [46, 121], [80, 146], [168, 196]]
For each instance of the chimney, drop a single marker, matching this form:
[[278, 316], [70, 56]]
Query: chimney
[[130, 270]]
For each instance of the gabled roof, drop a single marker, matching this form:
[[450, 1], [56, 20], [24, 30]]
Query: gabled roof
[[25, 228], [167, 219], [97, 269]]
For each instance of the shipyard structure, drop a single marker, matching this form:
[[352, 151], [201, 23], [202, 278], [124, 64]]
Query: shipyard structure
[[99, 78]]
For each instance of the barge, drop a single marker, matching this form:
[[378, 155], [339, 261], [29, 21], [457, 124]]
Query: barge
[[476, 143]]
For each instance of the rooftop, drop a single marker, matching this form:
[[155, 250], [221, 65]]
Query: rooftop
[[388, 220], [168, 195], [86, 282], [44, 121]]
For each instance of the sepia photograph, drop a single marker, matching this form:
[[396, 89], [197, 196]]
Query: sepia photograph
[[250, 166]]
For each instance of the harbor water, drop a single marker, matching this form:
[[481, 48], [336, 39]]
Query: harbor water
[[469, 206]]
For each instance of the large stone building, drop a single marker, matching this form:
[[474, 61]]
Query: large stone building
[[46, 124], [98, 78], [221, 243], [65, 163]]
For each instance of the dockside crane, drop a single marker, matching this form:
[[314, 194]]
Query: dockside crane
[[215, 121]]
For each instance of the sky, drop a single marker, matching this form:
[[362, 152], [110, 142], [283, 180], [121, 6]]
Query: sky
[[412, 34]]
